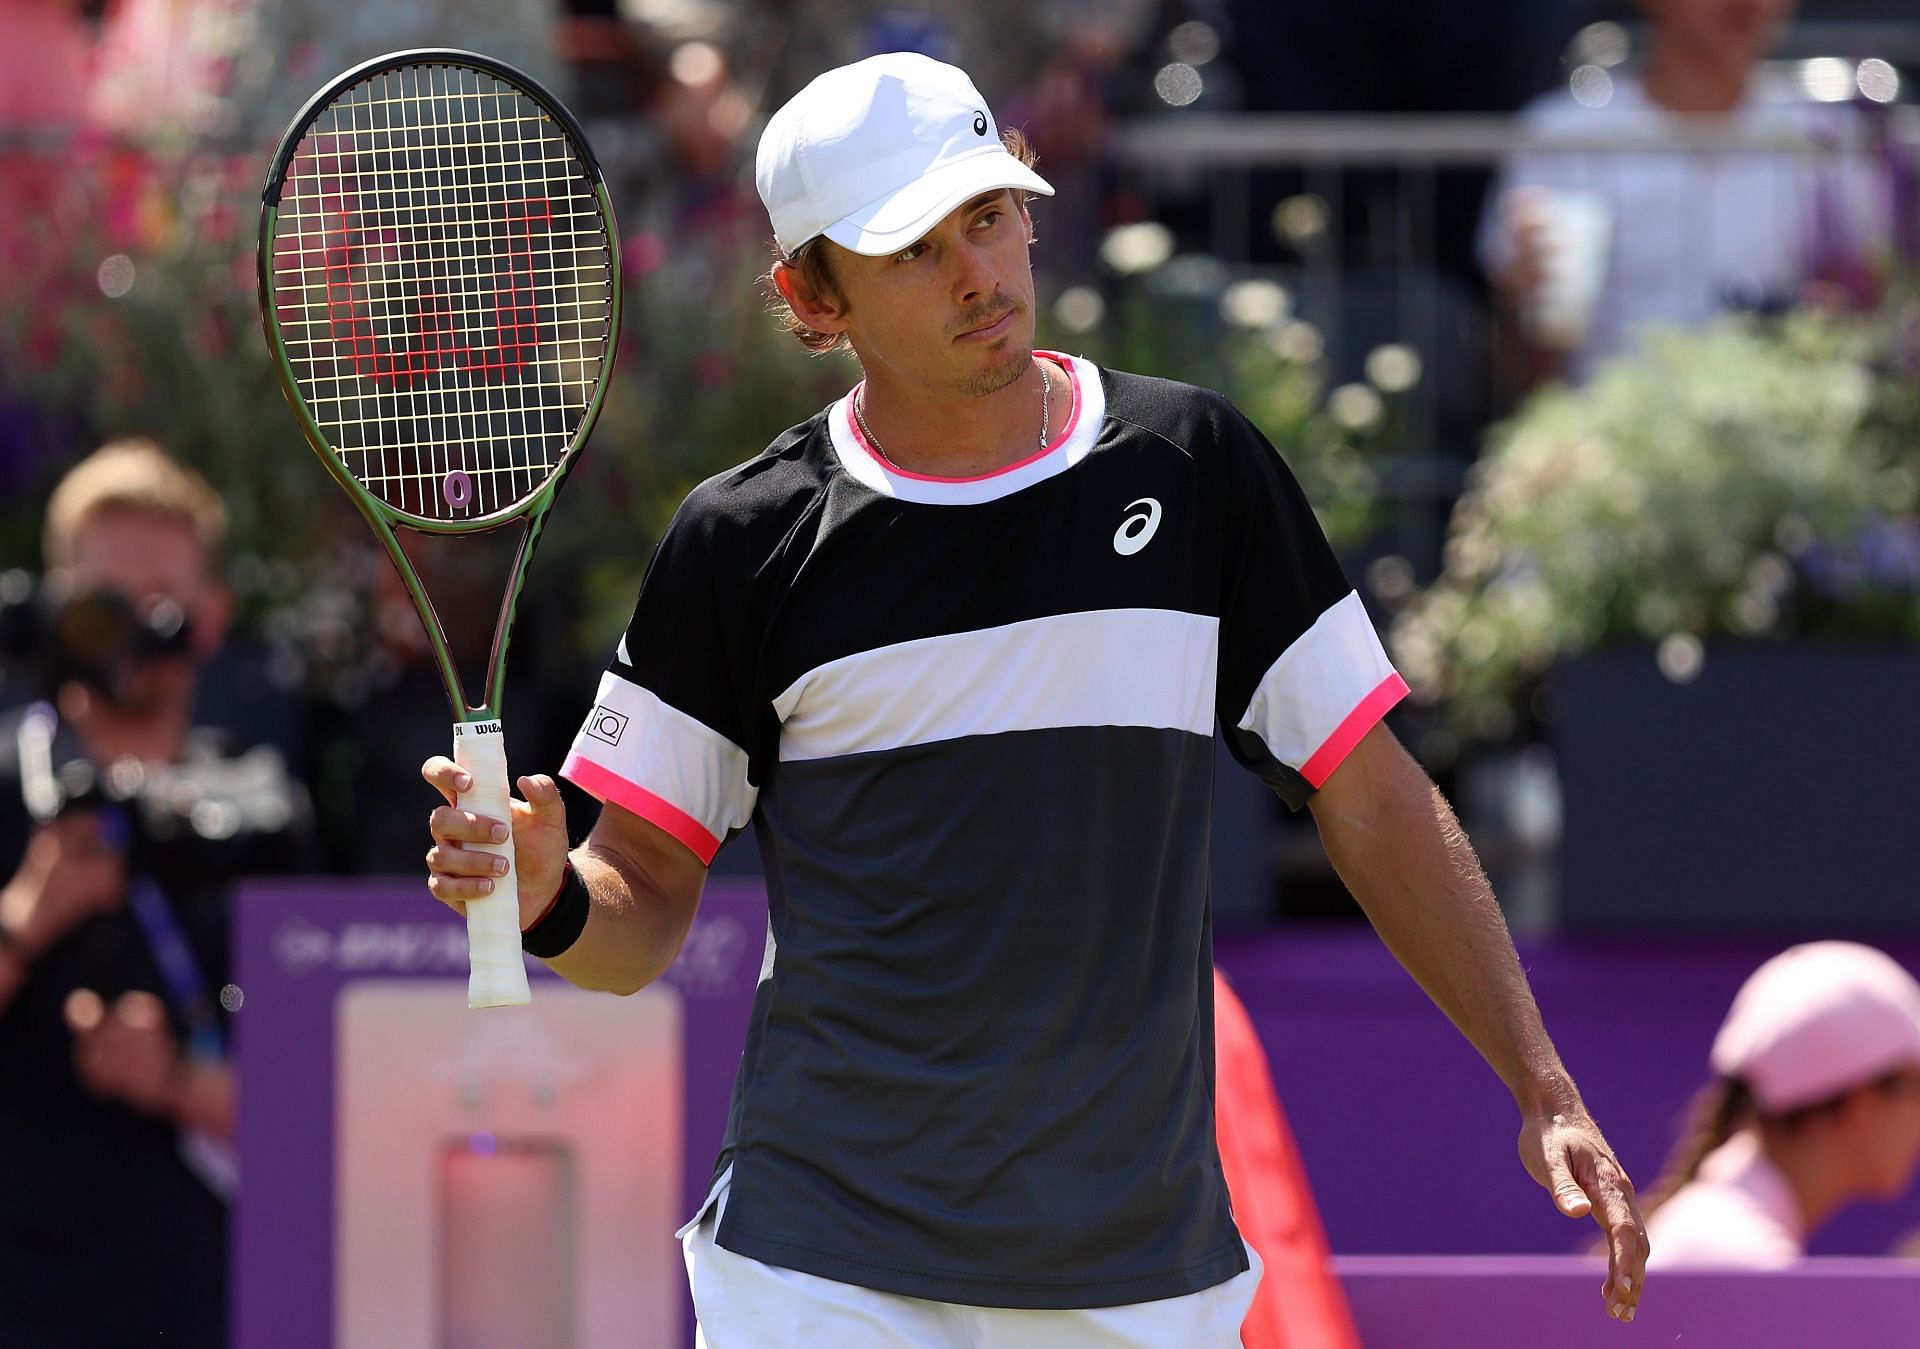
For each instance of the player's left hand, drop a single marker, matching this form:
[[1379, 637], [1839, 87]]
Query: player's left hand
[[124, 1052], [1566, 1153]]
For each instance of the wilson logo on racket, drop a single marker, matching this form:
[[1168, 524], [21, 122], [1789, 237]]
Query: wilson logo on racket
[[434, 339]]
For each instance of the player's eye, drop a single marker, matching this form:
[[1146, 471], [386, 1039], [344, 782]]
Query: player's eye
[[910, 252], [989, 218]]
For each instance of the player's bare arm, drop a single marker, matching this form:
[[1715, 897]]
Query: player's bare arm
[[643, 884], [1398, 847]]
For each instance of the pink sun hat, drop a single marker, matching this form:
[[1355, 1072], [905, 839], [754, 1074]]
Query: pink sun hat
[[1818, 1020]]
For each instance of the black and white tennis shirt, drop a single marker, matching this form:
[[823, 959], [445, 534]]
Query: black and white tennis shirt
[[971, 722]]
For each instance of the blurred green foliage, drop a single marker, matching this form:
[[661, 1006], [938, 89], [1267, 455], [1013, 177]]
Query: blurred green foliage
[[1755, 480]]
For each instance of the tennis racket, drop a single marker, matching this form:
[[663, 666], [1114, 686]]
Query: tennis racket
[[440, 287]]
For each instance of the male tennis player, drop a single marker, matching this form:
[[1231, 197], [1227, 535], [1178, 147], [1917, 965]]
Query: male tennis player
[[956, 648]]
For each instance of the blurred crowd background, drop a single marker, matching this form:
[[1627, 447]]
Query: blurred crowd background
[[1591, 328]]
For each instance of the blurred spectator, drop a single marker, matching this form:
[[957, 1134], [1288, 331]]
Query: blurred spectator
[[1815, 1105], [613, 65], [121, 825], [1588, 246], [1386, 56]]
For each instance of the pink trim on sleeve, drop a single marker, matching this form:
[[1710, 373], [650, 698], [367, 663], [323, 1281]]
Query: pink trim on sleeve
[[1334, 750], [610, 786]]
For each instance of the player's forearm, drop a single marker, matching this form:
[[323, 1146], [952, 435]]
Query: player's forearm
[[634, 928], [1403, 855]]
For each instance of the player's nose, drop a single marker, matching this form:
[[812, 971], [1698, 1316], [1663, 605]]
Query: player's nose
[[976, 276]]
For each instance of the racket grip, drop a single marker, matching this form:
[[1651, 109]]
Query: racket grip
[[497, 971]]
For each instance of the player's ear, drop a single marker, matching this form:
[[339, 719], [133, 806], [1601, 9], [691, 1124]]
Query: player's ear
[[819, 309]]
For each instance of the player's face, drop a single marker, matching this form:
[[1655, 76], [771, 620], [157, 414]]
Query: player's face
[[1894, 1124], [1727, 30], [951, 312]]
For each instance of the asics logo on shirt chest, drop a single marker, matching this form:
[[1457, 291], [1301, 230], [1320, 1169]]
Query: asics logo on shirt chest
[[1136, 531]]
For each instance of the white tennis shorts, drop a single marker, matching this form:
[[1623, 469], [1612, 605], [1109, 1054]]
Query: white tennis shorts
[[741, 1303]]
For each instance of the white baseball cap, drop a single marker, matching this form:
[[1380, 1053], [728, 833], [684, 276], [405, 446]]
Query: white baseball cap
[[1817, 1020], [872, 155]]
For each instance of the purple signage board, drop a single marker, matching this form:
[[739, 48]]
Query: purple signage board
[[1509, 1302], [301, 945]]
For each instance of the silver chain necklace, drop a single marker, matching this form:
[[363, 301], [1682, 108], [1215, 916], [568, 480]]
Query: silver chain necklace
[[1046, 409]]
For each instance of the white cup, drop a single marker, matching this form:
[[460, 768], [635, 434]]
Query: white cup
[[1578, 230]]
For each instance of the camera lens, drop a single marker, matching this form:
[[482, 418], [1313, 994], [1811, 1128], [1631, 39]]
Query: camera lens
[[92, 631]]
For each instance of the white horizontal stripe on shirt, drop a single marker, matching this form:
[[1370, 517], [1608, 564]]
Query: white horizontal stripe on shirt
[[1104, 667]]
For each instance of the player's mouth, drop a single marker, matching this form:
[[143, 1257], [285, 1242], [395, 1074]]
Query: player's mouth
[[991, 331]]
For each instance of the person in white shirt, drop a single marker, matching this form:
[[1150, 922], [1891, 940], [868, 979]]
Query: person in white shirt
[[1815, 1105], [1590, 246]]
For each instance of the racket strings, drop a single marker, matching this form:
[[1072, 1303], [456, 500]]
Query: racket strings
[[445, 288]]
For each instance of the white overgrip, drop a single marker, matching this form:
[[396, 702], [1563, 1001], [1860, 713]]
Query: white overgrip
[[497, 971]]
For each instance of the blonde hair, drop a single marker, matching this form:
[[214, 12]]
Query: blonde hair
[[812, 261], [1713, 1114], [135, 475]]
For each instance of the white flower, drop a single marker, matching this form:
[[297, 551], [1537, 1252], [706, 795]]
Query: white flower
[[1300, 219], [1393, 368], [1680, 657], [1191, 276], [115, 276], [1079, 309], [1356, 407], [1130, 249], [1297, 341], [1255, 304]]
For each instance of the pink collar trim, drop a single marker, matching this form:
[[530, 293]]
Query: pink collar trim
[[887, 465]]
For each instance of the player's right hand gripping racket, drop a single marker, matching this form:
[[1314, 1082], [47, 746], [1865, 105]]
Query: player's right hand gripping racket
[[440, 285]]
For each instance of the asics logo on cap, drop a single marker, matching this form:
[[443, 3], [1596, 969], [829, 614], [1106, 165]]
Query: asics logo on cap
[[1136, 531]]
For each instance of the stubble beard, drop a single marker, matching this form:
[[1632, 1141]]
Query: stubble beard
[[998, 375]]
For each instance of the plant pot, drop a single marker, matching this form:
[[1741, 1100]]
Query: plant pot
[[1773, 793]]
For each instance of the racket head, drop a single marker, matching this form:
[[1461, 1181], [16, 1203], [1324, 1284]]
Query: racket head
[[440, 286]]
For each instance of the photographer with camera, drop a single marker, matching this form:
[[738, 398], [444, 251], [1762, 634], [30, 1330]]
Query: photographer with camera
[[121, 825]]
